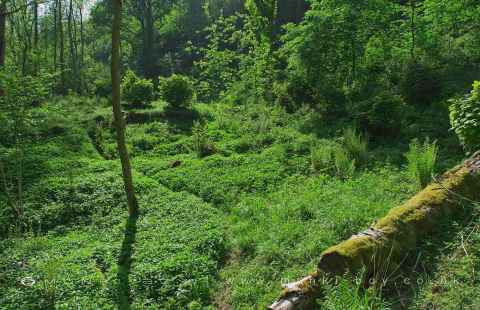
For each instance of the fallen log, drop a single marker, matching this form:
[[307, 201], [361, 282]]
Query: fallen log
[[387, 241]]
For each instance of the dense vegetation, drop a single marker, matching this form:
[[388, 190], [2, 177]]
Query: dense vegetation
[[258, 133]]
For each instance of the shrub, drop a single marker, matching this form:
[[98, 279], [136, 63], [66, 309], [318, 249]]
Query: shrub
[[177, 90], [102, 87], [420, 84], [381, 114], [465, 119], [136, 91], [421, 161], [356, 145]]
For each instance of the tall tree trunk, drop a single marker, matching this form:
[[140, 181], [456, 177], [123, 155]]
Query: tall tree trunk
[[3, 32], [62, 48], [82, 50], [36, 52], [148, 27], [72, 45], [412, 27], [117, 110], [55, 36], [3, 36]]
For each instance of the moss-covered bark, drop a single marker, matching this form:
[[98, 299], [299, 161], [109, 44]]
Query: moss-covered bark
[[388, 241]]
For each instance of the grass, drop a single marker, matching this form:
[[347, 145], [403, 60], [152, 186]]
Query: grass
[[453, 283], [220, 228]]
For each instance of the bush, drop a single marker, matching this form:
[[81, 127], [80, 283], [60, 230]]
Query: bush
[[356, 145], [465, 119], [421, 161], [420, 84], [177, 90], [136, 91], [381, 114], [102, 87]]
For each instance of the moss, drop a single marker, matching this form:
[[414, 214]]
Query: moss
[[403, 226]]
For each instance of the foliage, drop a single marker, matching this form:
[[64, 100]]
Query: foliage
[[350, 294], [20, 125], [452, 285], [218, 67], [322, 157], [381, 114], [201, 142], [177, 90], [465, 118], [344, 164], [136, 91], [356, 145], [420, 84], [247, 189], [421, 161], [103, 87]]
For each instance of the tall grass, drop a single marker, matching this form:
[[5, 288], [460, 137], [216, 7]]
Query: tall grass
[[356, 145], [321, 158], [344, 165], [350, 294], [421, 161], [332, 159], [202, 144]]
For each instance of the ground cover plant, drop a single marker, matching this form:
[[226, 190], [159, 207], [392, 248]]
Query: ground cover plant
[[246, 138]]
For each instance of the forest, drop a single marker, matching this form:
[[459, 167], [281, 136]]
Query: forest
[[239, 154]]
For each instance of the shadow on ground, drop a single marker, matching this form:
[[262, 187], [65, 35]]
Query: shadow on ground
[[124, 298]]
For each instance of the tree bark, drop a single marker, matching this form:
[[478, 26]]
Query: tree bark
[[62, 47], [36, 52], [73, 48], [146, 19], [413, 5], [55, 34], [82, 50], [117, 110], [3, 32]]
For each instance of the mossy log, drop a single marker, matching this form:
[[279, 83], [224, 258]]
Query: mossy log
[[387, 242]]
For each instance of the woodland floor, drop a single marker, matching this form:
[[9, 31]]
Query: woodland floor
[[219, 231]]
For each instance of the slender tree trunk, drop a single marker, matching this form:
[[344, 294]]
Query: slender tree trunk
[[354, 61], [147, 28], [117, 110], [55, 34], [62, 47], [3, 33], [36, 52], [82, 50], [412, 27], [72, 45]]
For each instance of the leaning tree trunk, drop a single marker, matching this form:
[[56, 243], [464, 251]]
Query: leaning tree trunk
[[386, 244], [117, 110]]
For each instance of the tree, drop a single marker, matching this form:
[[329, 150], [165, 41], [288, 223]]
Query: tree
[[3, 39], [117, 110]]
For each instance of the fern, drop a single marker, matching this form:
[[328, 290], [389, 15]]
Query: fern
[[421, 161], [356, 145]]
